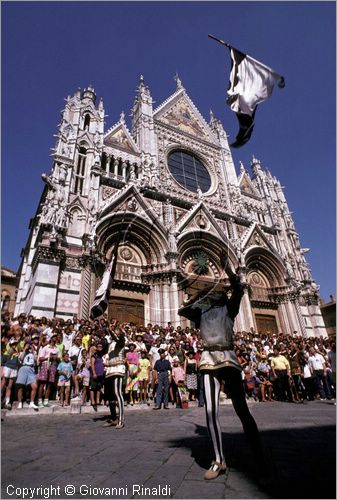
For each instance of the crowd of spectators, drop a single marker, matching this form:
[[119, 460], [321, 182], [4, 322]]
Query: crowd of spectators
[[53, 361]]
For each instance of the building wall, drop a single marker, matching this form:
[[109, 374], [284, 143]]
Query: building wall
[[328, 311], [9, 284], [167, 193]]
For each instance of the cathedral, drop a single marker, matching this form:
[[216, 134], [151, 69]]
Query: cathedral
[[165, 198]]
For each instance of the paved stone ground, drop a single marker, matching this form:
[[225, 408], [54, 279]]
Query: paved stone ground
[[168, 449]]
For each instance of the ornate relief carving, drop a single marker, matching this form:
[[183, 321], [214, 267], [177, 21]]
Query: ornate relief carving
[[47, 253], [201, 221], [72, 263], [126, 254], [107, 192], [132, 205]]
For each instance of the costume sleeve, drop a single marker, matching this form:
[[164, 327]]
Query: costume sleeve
[[191, 313], [235, 300]]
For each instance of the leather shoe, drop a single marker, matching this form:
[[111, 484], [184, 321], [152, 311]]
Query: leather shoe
[[110, 423], [215, 469]]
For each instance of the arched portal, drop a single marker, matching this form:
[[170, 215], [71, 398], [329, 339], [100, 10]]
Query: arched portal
[[141, 250], [265, 278], [199, 259]]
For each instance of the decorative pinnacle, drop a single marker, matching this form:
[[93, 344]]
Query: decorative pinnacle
[[255, 160], [178, 81], [141, 81]]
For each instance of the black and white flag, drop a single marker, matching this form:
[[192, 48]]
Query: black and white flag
[[103, 293], [251, 83]]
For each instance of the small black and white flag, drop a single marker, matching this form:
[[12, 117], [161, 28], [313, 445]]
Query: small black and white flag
[[251, 83], [103, 293]]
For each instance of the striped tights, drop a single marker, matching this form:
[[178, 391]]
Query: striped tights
[[117, 384], [235, 390]]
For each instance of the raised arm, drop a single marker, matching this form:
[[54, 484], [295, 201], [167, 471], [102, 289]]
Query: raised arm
[[236, 285]]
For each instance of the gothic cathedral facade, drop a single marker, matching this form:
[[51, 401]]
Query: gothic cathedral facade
[[168, 194]]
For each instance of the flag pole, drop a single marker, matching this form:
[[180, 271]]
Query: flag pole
[[220, 41], [281, 83]]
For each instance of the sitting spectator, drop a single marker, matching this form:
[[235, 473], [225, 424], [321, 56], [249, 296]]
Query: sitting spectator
[[265, 387], [242, 360], [249, 382]]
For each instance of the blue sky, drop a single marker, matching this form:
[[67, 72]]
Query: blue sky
[[49, 49]]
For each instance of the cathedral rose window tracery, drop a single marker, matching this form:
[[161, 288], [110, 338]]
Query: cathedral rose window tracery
[[189, 171]]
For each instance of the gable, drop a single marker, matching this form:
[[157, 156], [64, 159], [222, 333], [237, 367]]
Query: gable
[[255, 237], [199, 218], [247, 186], [129, 200], [119, 138], [180, 112]]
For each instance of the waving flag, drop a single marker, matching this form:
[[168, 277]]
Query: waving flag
[[103, 293], [102, 296], [251, 83]]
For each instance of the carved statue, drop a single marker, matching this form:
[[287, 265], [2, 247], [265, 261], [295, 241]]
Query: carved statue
[[289, 268], [54, 209], [172, 240]]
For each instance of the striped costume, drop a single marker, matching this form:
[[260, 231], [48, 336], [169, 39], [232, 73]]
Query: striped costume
[[214, 314]]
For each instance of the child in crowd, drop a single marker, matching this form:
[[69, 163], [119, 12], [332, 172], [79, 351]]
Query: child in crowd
[[178, 376], [143, 377], [65, 370], [83, 374]]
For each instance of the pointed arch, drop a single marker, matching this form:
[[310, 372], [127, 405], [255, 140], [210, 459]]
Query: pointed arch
[[193, 243], [87, 119], [80, 169], [76, 221], [265, 262], [135, 229]]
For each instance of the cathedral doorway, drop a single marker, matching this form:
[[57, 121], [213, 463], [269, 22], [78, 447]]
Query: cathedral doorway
[[266, 323], [126, 310]]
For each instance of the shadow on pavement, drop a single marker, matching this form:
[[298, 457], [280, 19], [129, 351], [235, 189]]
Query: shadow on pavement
[[303, 460]]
